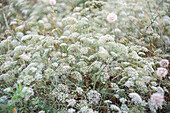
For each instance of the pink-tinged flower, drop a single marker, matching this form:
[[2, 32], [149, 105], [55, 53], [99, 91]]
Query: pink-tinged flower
[[164, 63], [162, 72], [157, 99], [52, 2], [112, 17]]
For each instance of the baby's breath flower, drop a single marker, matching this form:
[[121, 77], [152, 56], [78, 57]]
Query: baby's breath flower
[[162, 72], [112, 17], [164, 63]]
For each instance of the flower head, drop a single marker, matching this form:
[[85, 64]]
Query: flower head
[[41, 111], [71, 110], [157, 99], [136, 98], [79, 90], [93, 96], [112, 17], [71, 102], [162, 72], [164, 63], [52, 2]]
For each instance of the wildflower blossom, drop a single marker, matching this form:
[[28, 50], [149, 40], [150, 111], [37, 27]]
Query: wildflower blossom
[[85, 109], [52, 2], [29, 91], [135, 98], [164, 63], [71, 102], [124, 108], [156, 100], [41, 111], [3, 98], [71, 110], [103, 53], [123, 100], [162, 72], [79, 90], [93, 96], [112, 17], [115, 108], [7, 89], [107, 101]]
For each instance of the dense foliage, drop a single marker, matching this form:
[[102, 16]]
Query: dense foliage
[[85, 56]]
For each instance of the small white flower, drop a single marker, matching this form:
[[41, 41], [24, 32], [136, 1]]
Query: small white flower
[[164, 63], [115, 108], [29, 91], [112, 17], [123, 100], [107, 101], [79, 90], [3, 98], [52, 2], [71, 110], [162, 72], [71, 102], [41, 111], [157, 100], [117, 30], [93, 97], [7, 89], [103, 53], [135, 98]]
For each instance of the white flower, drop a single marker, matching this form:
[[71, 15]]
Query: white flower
[[157, 100], [115, 108], [93, 96], [29, 93], [107, 101], [103, 53], [52, 2], [79, 90], [164, 63], [71, 102], [71, 110], [112, 17], [41, 111], [85, 109], [123, 100], [135, 98], [25, 56], [117, 30], [3, 98], [129, 84], [7, 89], [162, 72], [124, 108]]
